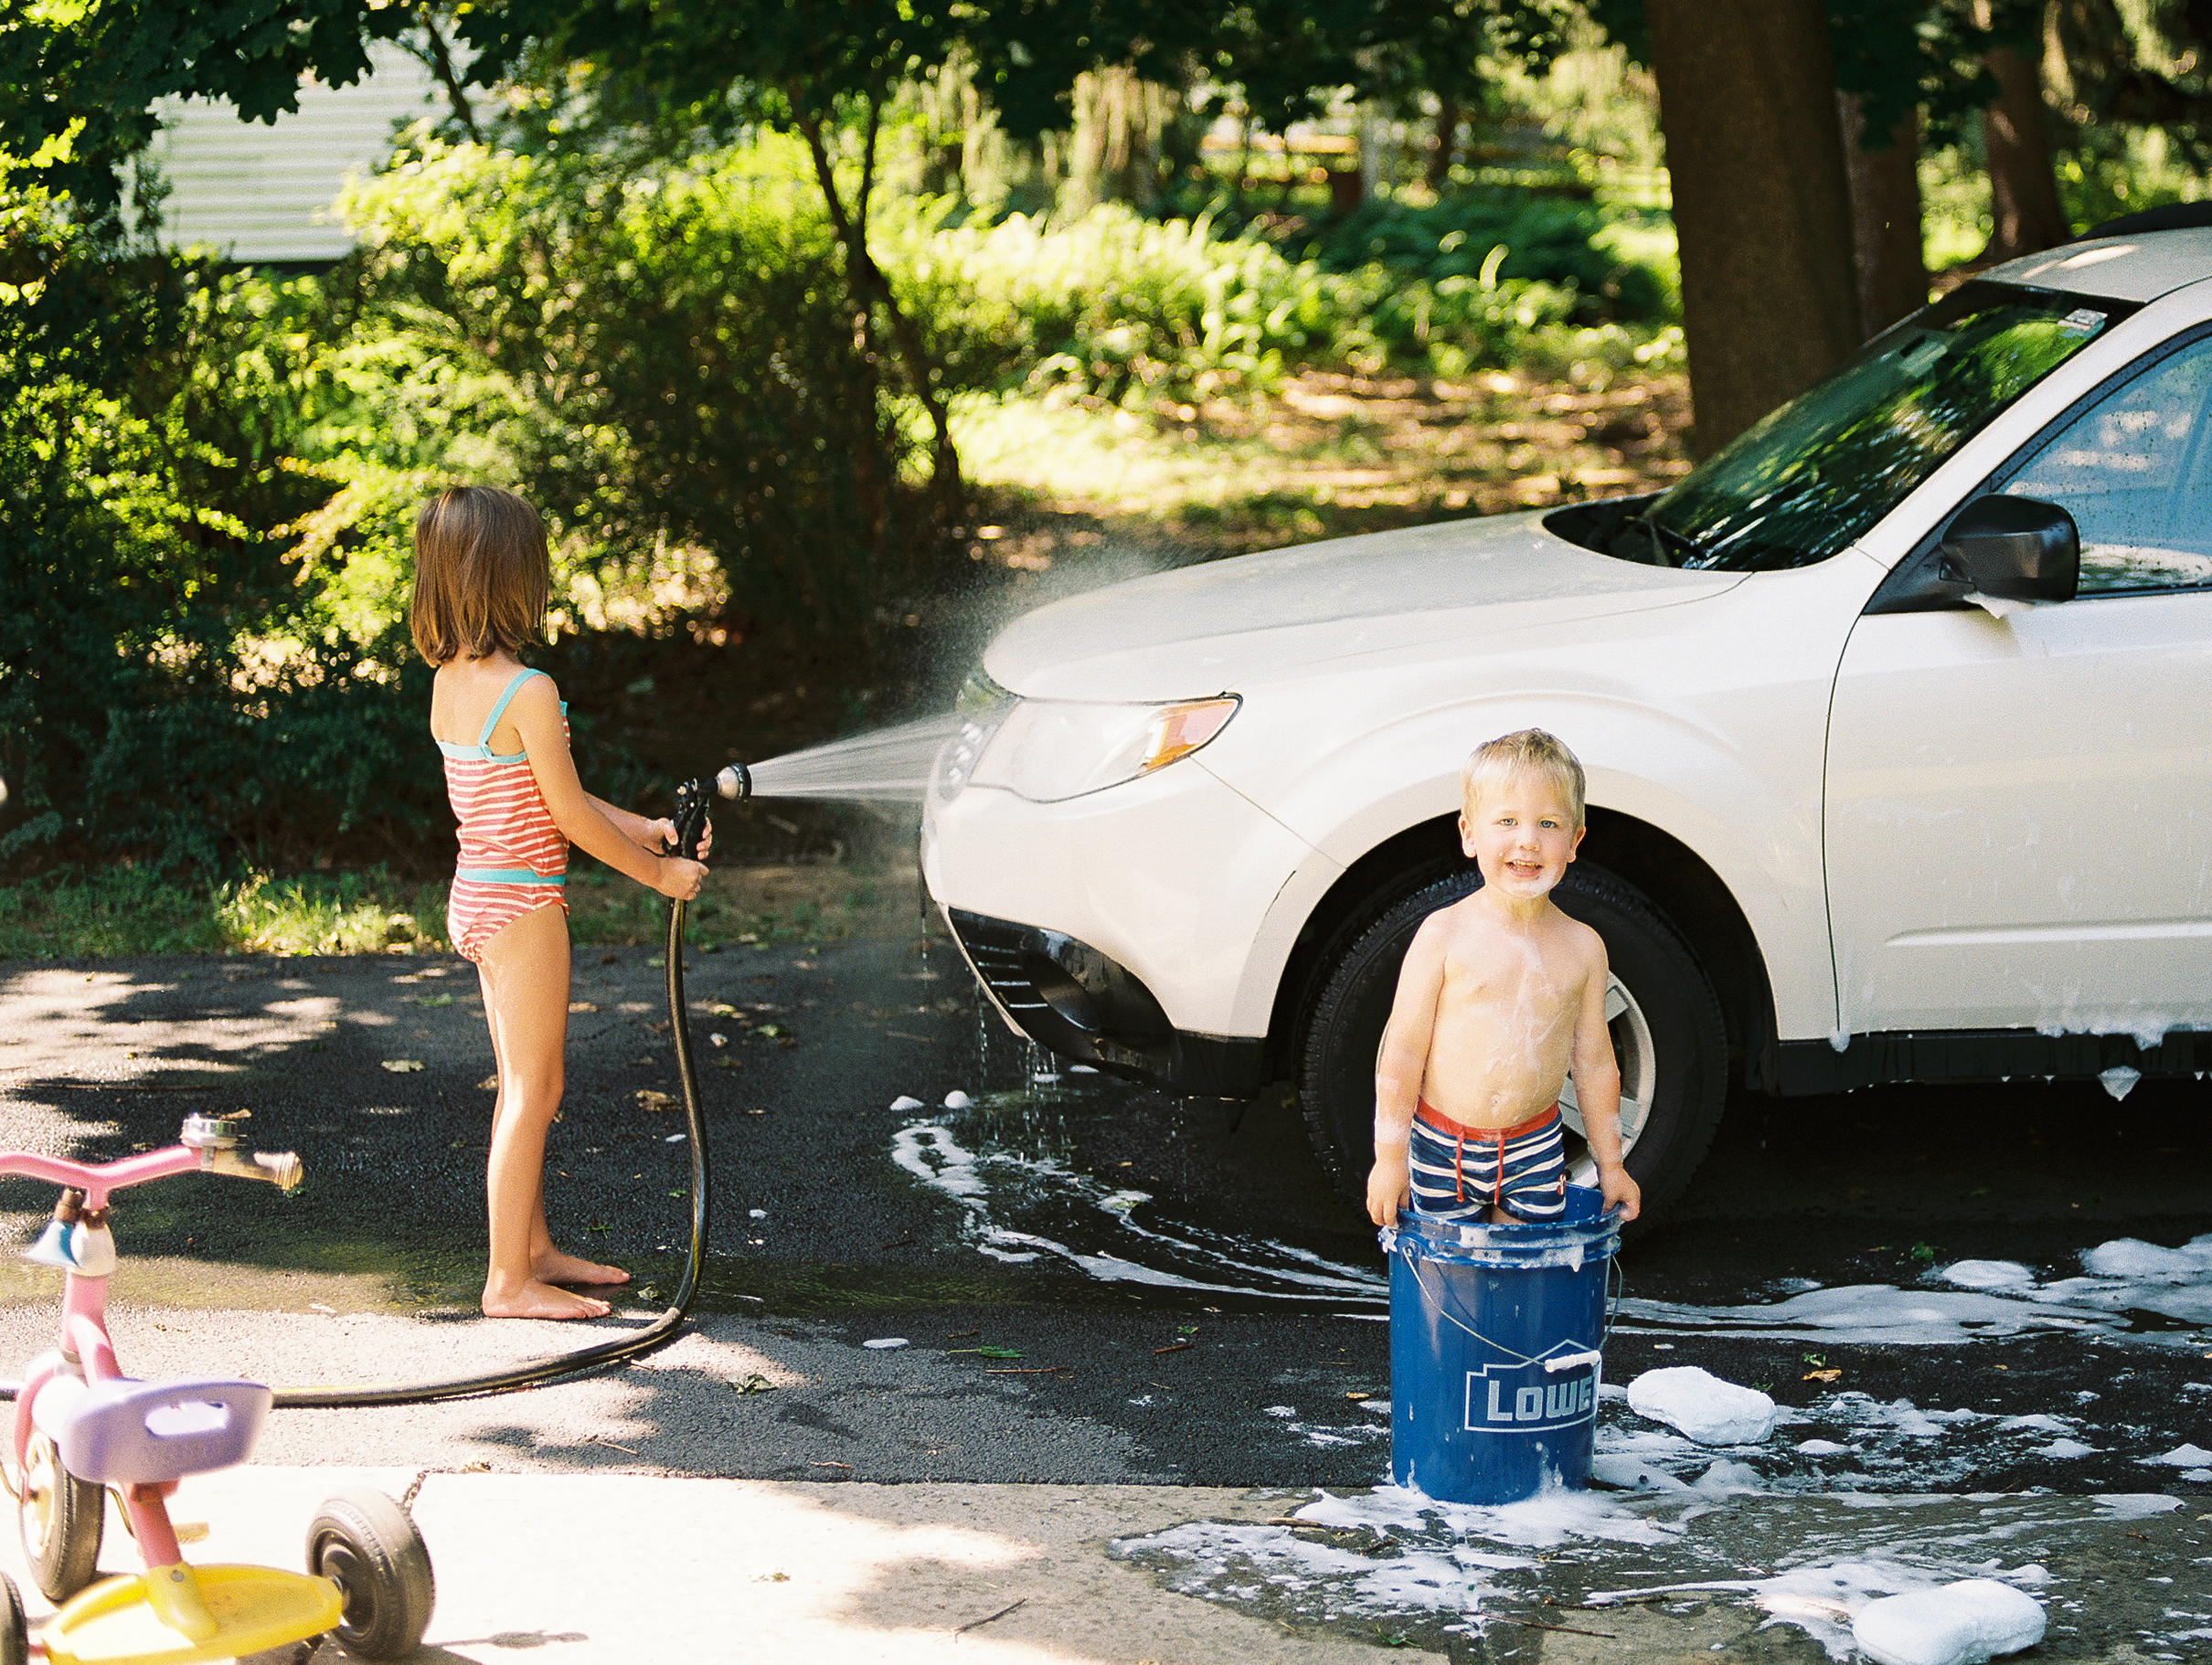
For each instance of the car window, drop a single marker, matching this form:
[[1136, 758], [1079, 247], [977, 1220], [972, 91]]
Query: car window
[[1809, 479], [2135, 471]]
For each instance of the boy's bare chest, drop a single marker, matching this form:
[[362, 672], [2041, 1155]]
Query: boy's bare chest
[[1518, 974]]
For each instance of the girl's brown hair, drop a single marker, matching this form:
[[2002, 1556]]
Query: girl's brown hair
[[482, 575]]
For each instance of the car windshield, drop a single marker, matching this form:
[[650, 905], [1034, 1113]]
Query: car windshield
[[1808, 478]]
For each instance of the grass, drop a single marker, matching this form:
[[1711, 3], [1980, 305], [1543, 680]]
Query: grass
[[129, 910]]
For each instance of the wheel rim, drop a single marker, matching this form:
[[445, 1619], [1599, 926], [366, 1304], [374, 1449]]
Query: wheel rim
[[336, 1560], [1631, 1037], [41, 1496]]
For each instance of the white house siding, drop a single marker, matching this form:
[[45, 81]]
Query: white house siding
[[256, 192]]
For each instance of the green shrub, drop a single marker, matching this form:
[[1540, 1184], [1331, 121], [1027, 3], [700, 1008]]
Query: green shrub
[[1565, 242], [1118, 306], [168, 684], [1114, 303], [667, 356]]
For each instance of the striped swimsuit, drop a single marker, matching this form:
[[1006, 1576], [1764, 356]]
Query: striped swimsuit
[[514, 860], [1462, 1173]]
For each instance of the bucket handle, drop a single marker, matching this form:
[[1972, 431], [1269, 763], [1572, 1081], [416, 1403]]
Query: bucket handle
[[1459, 1324], [1614, 1278]]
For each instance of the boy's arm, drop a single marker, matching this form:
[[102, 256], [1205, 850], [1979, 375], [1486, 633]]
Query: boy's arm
[[1596, 1076], [1399, 1067]]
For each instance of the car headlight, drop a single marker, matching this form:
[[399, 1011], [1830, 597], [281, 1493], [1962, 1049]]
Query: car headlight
[[982, 705], [1047, 750]]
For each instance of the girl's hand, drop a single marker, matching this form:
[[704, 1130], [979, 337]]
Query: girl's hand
[[660, 837], [678, 879]]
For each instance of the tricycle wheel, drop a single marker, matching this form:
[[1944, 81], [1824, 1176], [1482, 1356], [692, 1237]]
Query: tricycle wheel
[[60, 1516], [368, 1545], [14, 1629]]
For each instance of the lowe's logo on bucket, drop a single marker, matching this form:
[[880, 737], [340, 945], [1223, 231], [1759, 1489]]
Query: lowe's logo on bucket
[[1529, 1398]]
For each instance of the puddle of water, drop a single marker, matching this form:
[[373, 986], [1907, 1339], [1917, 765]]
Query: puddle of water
[[1009, 1162], [1852, 1442], [2128, 1288], [1006, 1159], [1430, 1572]]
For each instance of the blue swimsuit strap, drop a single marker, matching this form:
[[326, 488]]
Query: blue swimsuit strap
[[483, 740]]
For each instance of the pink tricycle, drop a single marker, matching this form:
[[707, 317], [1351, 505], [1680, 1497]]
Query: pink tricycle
[[82, 1426]]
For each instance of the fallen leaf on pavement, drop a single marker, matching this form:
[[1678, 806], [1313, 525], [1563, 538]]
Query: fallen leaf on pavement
[[400, 1067]]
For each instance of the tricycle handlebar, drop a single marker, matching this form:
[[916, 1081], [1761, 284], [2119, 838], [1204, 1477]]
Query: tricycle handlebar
[[279, 1168], [96, 1180]]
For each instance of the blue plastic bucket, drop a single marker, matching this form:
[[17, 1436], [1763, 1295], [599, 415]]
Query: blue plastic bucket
[[1495, 1333]]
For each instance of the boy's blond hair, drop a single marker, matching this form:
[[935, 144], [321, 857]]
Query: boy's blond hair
[[1530, 750], [482, 575]]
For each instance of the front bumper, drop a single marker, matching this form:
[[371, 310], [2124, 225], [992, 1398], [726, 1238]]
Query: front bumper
[[1078, 1002]]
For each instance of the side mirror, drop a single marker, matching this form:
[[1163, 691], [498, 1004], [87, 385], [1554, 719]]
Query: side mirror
[[2014, 548]]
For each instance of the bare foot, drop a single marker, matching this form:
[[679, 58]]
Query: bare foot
[[553, 1266], [535, 1299]]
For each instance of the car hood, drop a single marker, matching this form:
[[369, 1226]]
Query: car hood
[[1232, 624]]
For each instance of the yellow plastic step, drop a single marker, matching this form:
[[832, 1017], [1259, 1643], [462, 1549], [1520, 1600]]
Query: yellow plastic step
[[253, 1607]]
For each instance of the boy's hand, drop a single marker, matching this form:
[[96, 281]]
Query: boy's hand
[[1389, 1189], [1615, 1186]]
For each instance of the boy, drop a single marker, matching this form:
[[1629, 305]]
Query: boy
[[1500, 998]]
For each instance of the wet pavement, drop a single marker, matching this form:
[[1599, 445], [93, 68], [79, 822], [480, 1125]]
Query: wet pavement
[[1956, 1295]]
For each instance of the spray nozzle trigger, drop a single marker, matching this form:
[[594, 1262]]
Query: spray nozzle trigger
[[690, 818]]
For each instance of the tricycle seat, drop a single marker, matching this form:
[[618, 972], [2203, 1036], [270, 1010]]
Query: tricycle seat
[[122, 1431]]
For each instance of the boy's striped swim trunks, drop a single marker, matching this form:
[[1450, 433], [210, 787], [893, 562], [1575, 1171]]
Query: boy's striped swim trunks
[[1460, 1173]]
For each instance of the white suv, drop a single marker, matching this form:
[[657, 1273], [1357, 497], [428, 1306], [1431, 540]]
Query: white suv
[[1897, 714]]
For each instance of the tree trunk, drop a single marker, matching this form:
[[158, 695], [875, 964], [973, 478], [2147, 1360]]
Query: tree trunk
[[873, 291], [1447, 143], [1886, 219], [2023, 212], [1762, 203]]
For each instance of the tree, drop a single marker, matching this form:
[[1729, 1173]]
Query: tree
[[2024, 210], [1762, 205], [1885, 235], [1900, 65], [77, 82]]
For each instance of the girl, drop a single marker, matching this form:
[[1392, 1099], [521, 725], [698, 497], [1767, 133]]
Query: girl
[[482, 580]]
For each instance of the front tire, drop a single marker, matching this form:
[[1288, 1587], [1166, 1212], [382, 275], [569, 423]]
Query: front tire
[[1665, 1020], [14, 1629], [60, 1517], [369, 1546]]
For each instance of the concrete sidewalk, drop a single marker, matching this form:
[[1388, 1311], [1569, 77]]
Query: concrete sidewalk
[[613, 1569], [592, 1569]]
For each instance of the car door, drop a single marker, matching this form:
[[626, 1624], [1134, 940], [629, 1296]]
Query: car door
[[2019, 807]]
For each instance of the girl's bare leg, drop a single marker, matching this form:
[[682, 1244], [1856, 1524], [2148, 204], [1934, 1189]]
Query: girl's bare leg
[[525, 973]]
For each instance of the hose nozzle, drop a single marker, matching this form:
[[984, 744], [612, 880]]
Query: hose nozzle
[[734, 782]]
